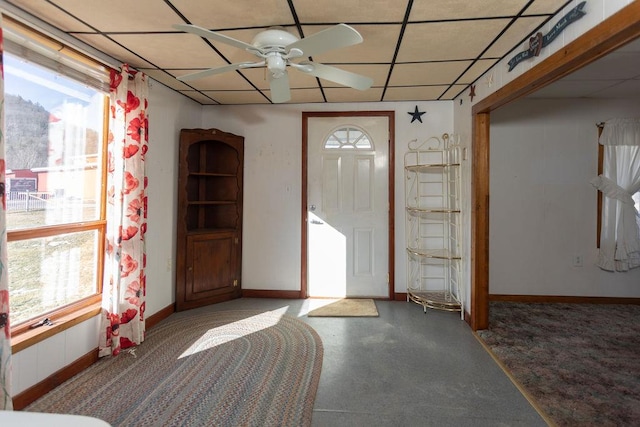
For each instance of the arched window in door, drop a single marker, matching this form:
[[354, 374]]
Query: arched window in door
[[348, 138]]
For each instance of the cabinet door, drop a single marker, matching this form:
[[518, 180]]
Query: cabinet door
[[212, 270]]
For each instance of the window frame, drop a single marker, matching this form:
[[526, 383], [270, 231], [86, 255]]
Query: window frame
[[65, 316], [348, 146]]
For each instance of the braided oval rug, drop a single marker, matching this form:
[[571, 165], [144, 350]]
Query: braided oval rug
[[203, 368]]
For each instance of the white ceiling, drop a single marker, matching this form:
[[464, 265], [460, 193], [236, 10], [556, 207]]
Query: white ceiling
[[413, 49], [614, 76]]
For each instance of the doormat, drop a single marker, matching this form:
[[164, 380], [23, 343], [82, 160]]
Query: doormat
[[346, 308]]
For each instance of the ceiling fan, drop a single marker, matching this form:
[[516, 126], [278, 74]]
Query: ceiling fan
[[277, 48]]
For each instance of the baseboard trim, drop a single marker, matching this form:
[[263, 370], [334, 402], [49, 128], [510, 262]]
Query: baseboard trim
[[400, 296], [257, 293], [563, 299], [22, 400], [155, 318]]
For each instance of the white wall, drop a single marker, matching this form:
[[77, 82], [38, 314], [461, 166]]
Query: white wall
[[168, 113], [543, 208], [499, 75], [272, 181]]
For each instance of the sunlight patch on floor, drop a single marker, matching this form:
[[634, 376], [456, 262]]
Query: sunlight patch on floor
[[235, 330]]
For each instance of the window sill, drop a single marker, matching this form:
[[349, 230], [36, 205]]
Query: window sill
[[33, 336]]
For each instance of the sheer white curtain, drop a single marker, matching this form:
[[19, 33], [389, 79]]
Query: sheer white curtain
[[620, 180]]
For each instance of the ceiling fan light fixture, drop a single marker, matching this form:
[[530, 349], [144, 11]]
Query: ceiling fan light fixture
[[273, 39], [277, 47], [276, 64]]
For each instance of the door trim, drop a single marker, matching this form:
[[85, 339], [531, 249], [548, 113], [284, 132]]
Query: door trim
[[390, 115]]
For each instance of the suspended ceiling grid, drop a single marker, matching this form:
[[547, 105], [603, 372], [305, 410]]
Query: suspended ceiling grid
[[415, 50]]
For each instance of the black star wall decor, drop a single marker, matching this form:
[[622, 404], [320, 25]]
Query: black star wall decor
[[416, 115]]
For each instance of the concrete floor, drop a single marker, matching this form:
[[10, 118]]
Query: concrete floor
[[404, 368]]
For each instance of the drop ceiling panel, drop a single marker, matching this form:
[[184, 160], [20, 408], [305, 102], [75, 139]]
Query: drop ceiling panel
[[544, 7], [352, 95], [513, 36], [453, 91], [476, 70], [237, 97], [111, 48], [55, 16], [227, 81], [418, 93], [448, 40], [165, 78], [378, 46], [119, 15], [434, 10], [324, 11], [426, 73], [299, 96], [186, 50], [235, 13], [198, 97]]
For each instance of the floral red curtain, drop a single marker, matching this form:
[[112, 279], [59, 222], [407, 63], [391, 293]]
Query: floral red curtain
[[123, 296], [5, 330]]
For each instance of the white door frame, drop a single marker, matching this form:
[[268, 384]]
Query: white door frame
[[391, 181]]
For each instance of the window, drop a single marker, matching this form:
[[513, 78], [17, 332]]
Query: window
[[349, 138], [55, 130]]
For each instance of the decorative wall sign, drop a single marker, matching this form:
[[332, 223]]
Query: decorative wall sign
[[416, 115], [537, 42]]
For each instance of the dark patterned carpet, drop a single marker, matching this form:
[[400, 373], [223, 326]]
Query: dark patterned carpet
[[579, 362]]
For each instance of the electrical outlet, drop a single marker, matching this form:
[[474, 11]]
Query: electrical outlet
[[168, 265], [577, 260]]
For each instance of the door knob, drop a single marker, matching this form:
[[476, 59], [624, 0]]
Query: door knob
[[312, 208]]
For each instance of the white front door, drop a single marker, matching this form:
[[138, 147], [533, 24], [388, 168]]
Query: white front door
[[348, 217]]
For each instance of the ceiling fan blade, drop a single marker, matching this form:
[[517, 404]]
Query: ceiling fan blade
[[335, 37], [337, 75], [280, 88], [213, 71], [203, 32]]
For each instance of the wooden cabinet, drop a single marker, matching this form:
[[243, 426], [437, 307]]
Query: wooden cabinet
[[209, 235]]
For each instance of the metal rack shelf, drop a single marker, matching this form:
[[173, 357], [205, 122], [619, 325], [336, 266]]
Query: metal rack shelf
[[434, 223]]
